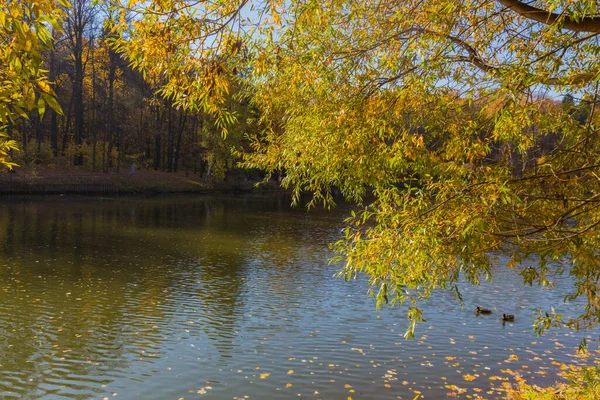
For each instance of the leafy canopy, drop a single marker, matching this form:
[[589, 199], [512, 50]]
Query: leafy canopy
[[441, 110], [25, 29]]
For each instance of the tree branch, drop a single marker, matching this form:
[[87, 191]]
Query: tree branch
[[475, 59], [585, 24]]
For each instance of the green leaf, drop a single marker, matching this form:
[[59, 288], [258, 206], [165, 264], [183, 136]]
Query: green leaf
[[41, 107], [51, 101]]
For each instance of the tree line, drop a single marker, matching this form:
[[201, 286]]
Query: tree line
[[110, 116]]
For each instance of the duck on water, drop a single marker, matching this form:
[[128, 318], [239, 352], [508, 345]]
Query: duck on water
[[508, 317]]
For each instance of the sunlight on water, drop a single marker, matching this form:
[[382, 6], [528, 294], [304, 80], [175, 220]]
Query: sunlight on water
[[227, 297]]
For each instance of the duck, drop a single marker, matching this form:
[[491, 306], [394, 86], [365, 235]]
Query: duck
[[508, 317], [480, 310]]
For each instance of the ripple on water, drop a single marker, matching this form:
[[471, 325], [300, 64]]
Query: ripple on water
[[222, 297]]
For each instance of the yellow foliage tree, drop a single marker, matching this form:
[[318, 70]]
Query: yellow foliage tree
[[441, 109], [24, 31]]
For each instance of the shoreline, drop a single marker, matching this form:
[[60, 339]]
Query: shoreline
[[144, 183]]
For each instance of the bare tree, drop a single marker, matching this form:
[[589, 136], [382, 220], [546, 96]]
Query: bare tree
[[78, 23]]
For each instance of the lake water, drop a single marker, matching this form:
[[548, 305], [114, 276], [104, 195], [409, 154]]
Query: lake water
[[225, 297]]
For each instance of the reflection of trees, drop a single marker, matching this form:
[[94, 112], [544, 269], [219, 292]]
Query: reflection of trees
[[89, 288], [67, 297]]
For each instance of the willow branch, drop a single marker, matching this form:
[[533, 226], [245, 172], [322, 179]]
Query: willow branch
[[584, 24], [475, 59]]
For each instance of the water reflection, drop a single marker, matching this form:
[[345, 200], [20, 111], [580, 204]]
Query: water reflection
[[162, 298]]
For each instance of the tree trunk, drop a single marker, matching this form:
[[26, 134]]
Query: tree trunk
[[66, 130], [24, 133], [94, 124], [78, 93], [54, 132], [53, 114], [170, 140], [120, 150], [39, 133], [157, 128], [112, 71], [182, 121]]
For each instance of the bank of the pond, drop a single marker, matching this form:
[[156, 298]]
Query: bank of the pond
[[147, 182], [582, 383]]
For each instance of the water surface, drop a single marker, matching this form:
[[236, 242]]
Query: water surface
[[226, 297]]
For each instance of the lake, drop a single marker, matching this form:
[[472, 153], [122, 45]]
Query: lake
[[232, 297]]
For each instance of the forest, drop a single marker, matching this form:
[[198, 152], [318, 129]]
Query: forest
[[108, 116]]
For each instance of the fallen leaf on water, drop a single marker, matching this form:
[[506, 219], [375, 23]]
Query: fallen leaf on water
[[264, 376], [288, 385], [468, 377], [291, 371], [456, 389]]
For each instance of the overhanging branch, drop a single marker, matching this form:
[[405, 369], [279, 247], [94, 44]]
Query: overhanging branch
[[585, 24], [473, 57]]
